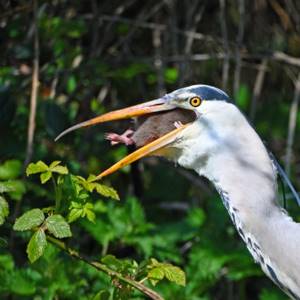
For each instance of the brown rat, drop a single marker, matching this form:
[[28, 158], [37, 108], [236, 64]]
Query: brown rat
[[152, 127]]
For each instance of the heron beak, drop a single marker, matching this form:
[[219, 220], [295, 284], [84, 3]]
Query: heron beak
[[148, 149], [125, 113], [157, 105]]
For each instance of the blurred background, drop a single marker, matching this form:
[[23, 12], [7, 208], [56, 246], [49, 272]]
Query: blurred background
[[63, 62]]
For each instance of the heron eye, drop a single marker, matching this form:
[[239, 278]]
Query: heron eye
[[195, 101]]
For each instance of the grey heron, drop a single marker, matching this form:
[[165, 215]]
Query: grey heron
[[221, 145]]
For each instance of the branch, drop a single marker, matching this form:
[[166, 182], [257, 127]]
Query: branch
[[292, 126], [240, 36], [103, 268], [34, 88], [260, 77], [225, 69]]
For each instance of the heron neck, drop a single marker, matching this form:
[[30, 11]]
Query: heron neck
[[223, 147], [248, 190]]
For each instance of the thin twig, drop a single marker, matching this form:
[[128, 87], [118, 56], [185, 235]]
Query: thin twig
[[258, 87], [34, 88], [151, 25], [292, 126], [158, 62], [240, 36], [16, 10], [103, 268], [225, 69], [194, 15]]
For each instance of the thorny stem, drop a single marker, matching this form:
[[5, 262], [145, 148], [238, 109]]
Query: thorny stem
[[103, 268]]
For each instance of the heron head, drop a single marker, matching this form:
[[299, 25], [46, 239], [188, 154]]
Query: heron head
[[194, 99]]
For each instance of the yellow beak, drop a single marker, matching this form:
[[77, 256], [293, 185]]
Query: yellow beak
[[129, 112]]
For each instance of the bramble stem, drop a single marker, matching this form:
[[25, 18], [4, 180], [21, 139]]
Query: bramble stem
[[103, 268]]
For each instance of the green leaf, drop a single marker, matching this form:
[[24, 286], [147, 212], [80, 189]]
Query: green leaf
[[11, 169], [58, 226], [34, 168], [106, 191], [60, 170], [112, 262], [174, 274], [5, 186], [18, 189], [30, 219], [90, 185], [243, 97], [54, 164], [54, 167], [74, 214], [6, 262], [155, 275], [45, 177], [41, 167], [90, 215], [160, 270], [36, 245], [171, 75], [4, 210], [71, 84]]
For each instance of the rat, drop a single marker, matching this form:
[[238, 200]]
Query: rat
[[152, 126]]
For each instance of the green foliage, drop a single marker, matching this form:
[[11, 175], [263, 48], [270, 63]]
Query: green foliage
[[89, 185], [46, 171], [171, 75], [243, 97], [74, 198], [151, 270], [4, 209], [80, 210], [36, 245], [29, 220], [11, 169], [157, 271], [57, 225]]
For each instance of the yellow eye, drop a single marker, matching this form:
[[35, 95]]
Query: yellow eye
[[195, 101]]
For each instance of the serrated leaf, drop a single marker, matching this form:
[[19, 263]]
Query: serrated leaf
[[4, 210], [45, 177], [74, 214], [160, 270], [34, 168], [106, 191], [156, 274], [60, 170], [174, 274], [30, 219], [54, 164], [5, 186], [90, 215], [11, 169], [36, 245], [58, 226]]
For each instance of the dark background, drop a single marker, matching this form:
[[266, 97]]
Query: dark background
[[95, 56]]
